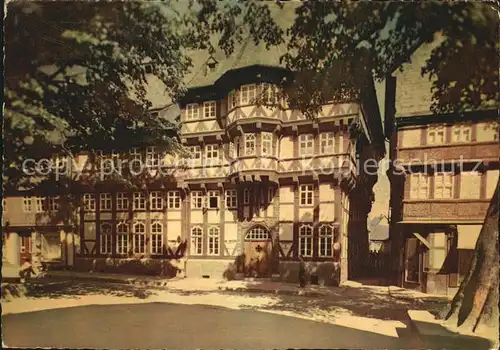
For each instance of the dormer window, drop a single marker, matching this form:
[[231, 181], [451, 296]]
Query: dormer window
[[192, 111], [209, 109], [211, 64], [148, 68]]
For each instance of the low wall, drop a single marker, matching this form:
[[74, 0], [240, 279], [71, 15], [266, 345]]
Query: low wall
[[152, 267], [212, 268], [324, 273]]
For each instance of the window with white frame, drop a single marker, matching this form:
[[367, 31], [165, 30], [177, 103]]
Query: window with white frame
[[89, 201], [156, 237], [247, 94], [270, 93], [139, 202], [326, 241], [306, 193], [195, 154], [40, 206], [27, 204], [106, 238], [213, 199], [231, 199], [249, 144], [435, 135], [174, 199], [105, 201], [122, 238], [154, 158], [234, 100], [306, 144], [461, 133], [443, 185], [209, 109], [156, 200], [139, 238], [232, 150], [246, 196], [419, 186], [267, 143], [327, 142], [305, 240], [213, 240], [196, 240], [197, 199], [135, 154], [192, 111], [257, 233], [122, 201], [53, 203], [212, 154]]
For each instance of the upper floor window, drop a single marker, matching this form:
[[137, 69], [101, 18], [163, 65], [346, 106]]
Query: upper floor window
[[174, 199], [53, 203], [40, 204], [213, 199], [270, 93], [267, 144], [212, 153], [306, 144], [461, 133], [234, 100], [121, 201], [154, 158], [89, 201], [195, 153], [27, 204], [156, 200], [306, 194], [327, 142], [443, 185], [139, 201], [135, 154], [197, 199], [105, 201], [209, 109], [419, 186], [247, 93], [192, 111], [231, 199], [249, 144], [435, 135], [246, 196]]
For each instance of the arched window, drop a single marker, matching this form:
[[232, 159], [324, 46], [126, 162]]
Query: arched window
[[139, 238], [305, 240], [196, 241], [326, 240], [106, 238], [213, 240], [156, 237], [122, 238], [257, 233]]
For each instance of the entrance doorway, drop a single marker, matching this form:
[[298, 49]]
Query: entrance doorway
[[258, 249]]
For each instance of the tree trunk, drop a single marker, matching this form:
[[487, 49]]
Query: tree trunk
[[475, 306]]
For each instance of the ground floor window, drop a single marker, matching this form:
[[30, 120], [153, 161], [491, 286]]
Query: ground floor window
[[106, 238], [139, 238], [122, 238], [326, 241], [213, 241], [305, 240], [196, 241], [156, 238]]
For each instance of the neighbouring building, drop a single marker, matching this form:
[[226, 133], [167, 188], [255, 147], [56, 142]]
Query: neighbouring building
[[262, 186], [444, 170]]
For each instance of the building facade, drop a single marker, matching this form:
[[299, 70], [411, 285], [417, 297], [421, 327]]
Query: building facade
[[261, 188], [444, 171]]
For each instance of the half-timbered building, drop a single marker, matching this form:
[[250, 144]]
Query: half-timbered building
[[262, 188]]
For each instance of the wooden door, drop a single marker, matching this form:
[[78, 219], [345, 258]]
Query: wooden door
[[25, 249], [258, 251]]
